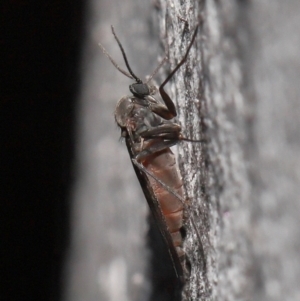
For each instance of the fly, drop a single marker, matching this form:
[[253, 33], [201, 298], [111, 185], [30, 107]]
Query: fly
[[149, 132]]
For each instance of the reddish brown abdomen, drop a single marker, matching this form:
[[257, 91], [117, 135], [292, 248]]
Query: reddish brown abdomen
[[163, 166]]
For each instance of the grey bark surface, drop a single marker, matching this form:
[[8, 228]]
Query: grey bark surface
[[209, 94], [239, 90], [275, 163]]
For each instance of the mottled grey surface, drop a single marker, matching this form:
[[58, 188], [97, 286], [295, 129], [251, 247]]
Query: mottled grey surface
[[209, 93], [240, 91], [108, 256], [276, 161]]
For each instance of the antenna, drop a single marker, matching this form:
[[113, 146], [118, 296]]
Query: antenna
[[138, 80], [114, 62]]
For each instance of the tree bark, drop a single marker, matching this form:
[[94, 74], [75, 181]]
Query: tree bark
[[274, 162], [238, 92], [212, 106]]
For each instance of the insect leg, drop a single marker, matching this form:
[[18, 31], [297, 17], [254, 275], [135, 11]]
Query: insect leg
[[170, 131], [159, 108], [161, 63], [156, 107], [157, 68], [171, 128], [168, 101]]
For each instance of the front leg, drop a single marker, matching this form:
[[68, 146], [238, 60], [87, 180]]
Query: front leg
[[160, 109]]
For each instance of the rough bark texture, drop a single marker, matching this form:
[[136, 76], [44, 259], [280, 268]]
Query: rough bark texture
[[239, 91], [209, 94]]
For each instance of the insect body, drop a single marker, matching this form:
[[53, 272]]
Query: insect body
[[149, 133], [151, 155]]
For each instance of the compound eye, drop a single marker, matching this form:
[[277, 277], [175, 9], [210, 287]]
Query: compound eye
[[139, 90]]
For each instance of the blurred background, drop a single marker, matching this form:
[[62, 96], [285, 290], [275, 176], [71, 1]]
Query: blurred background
[[74, 219], [40, 80]]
